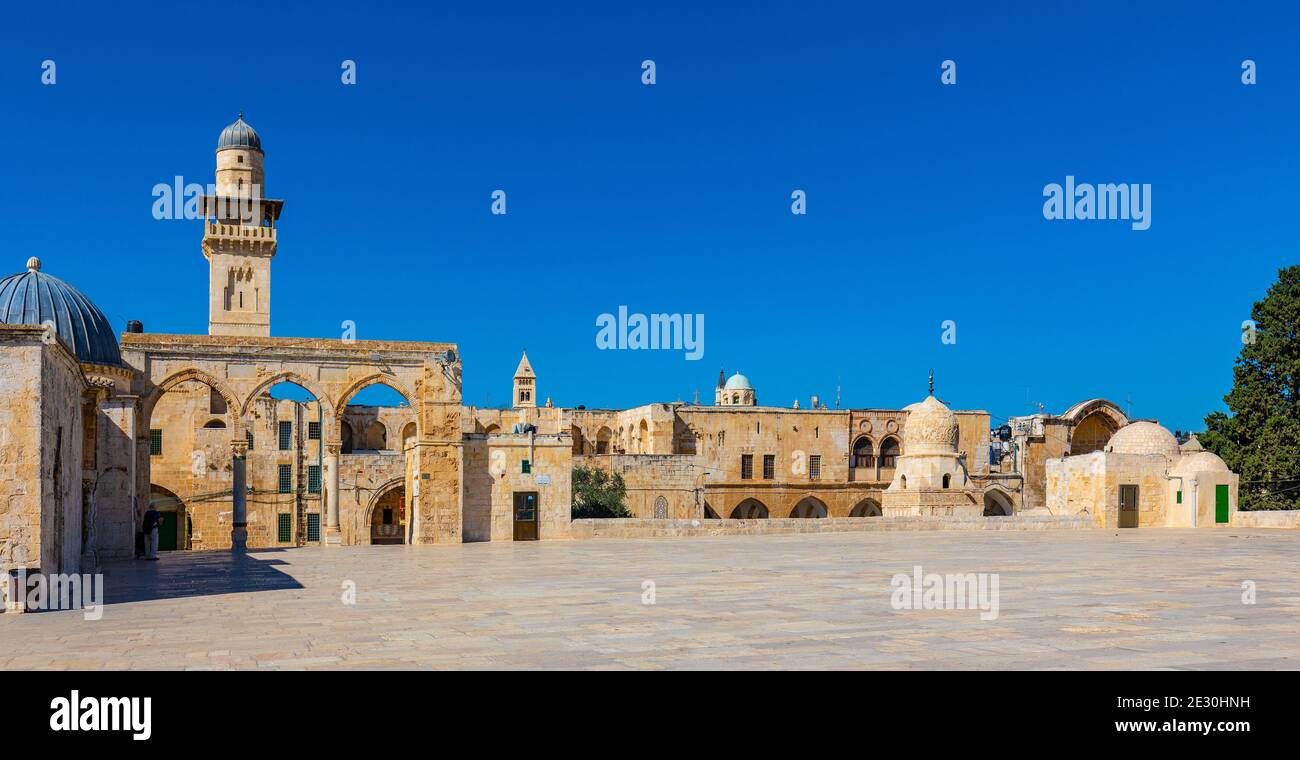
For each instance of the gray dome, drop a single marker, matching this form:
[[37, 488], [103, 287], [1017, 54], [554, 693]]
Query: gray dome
[[34, 298], [239, 135]]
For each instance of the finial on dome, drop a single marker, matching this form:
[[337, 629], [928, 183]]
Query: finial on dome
[[33, 264], [241, 114], [931, 381]]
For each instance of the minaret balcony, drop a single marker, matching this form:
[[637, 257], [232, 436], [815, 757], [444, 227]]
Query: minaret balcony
[[219, 237]]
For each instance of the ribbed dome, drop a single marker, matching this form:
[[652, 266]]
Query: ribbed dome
[[738, 382], [239, 135], [34, 298], [1144, 437], [931, 428]]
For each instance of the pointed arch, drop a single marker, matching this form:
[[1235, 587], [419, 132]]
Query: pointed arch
[[750, 509], [186, 375], [288, 376], [376, 378], [378, 496], [810, 507]]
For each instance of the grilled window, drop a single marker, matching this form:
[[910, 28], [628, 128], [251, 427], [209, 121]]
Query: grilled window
[[286, 478], [284, 528], [814, 467], [769, 466], [155, 443], [313, 478], [746, 466], [286, 436]]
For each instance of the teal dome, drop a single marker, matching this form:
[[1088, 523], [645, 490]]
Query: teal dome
[[35, 298], [738, 382], [239, 135]]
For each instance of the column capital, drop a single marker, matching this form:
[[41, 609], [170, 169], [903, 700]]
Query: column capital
[[239, 448], [333, 448]]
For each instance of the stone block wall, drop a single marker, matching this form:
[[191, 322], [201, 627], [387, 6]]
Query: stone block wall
[[41, 442]]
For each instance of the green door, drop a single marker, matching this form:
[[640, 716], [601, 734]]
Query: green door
[[1220, 504], [167, 533]]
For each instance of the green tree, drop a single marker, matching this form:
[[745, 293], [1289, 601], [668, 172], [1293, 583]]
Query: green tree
[[596, 493], [1260, 439]]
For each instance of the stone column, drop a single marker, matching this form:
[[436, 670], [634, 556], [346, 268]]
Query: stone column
[[239, 496], [333, 535]]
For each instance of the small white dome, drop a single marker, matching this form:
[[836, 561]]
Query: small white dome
[[1198, 461], [738, 382], [1144, 437]]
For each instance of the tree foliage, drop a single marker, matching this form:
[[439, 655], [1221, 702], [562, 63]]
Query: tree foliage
[[1260, 438], [597, 493]]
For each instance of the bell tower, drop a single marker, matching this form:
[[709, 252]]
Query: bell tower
[[239, 237], [525, 385]]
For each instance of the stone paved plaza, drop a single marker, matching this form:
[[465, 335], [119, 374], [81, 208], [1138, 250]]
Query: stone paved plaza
[[1068, 599]]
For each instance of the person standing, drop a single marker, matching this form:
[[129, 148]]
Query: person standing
[[152, 526]]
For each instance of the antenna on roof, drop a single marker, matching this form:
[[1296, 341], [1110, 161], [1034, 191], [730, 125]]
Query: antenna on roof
[[932, 381]]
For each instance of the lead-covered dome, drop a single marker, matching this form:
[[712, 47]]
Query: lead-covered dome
[[36, 298], [931, 428], [1146, 438], [239, 135]]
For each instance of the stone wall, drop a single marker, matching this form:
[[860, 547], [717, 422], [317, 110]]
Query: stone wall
[[41, 442], [493, 474], [677, 479], [1267, 518], [635, 528]]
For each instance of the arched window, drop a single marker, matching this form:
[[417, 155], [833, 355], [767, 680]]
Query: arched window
[[862, 456], [889, 450], [661, 508], [947, 481]]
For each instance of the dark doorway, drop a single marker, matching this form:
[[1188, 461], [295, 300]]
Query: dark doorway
[[1128, 506], [526, 516], [167, 532]]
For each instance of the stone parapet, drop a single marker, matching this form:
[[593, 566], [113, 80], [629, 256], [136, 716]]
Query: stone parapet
[[1270, 518], [638, 528]]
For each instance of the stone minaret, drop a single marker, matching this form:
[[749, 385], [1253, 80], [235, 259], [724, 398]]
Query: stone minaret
[[525, 385], [239, 237]]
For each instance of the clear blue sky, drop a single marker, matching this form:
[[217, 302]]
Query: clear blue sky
[[924, 201]]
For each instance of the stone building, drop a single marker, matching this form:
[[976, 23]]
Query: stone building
[[1141, 477], [98, 426]]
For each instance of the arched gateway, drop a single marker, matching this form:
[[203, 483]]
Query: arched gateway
[[240, 369]]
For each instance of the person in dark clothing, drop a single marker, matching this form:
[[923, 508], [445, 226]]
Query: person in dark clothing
[[152, 525]]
